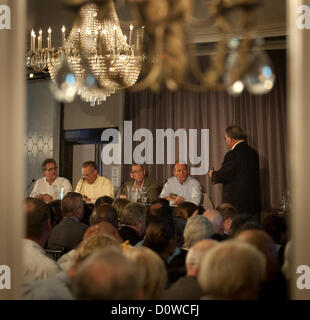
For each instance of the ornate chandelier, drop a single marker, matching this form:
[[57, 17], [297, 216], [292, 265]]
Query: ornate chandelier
[[95, 60]]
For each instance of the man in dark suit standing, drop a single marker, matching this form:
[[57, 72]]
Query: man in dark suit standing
[[239, 173], [69, 232]]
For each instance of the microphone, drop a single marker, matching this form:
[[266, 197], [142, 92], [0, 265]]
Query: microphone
[[32, 181], [117, 191], [82, 184]]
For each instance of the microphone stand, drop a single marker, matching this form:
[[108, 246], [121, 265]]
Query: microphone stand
[[82, 184], [32, 181]]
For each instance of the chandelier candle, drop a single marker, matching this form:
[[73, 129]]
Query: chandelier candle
[[130, 34], [63, 29], [40, 40], [49, 38]]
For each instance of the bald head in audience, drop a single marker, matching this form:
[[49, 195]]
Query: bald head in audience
[[216, 219], [103, 227], [195, 255]]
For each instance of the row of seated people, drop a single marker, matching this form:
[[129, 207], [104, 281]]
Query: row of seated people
[[130, 251], [181, 187]]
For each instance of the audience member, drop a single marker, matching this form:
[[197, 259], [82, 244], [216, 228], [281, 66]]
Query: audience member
[[216, 219], [56, 215], [228, 212], [159, 236], [232, 270], [119, 205], [133, 223], [238, 222], [38, 226], [141, 183], [274, 285], [93, 186], [159, 210], [67, 260], [182, 187], [275, 225], [152, 270], [185, 210], [197, 228], [104, 212], [50, 187], [59, 287], [103, 200], [69, 232], [107, 275], [187, 287], [179, 227]]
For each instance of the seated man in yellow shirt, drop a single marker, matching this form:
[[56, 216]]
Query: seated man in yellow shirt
[[93, 186]]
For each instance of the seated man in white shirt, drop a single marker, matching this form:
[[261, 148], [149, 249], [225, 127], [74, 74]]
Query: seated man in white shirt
[[50, 187], [93, 186], [181, 187]]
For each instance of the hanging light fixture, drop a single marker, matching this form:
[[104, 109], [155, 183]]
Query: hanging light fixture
[[98, 54], [97, 59]]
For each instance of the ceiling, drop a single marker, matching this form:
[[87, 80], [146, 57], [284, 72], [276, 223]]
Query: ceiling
[[270, 19]]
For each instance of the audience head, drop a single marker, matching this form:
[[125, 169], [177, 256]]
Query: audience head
[[89, 171], [159, 210], [275, 225], [103, 200], [238, 222], [197, 228], [228, 212], [181, 171], [159, 236], [49, 169], [104, 212], [92, 243], [134, 216], [264, 243], [38, 224], [107, 275], [195, 254], [102, 228], [185, 210], [72, 205], [56, 216], [216, 219], [232, 270], [151, 269], [179, 226], [137, 173], [119, 205]]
